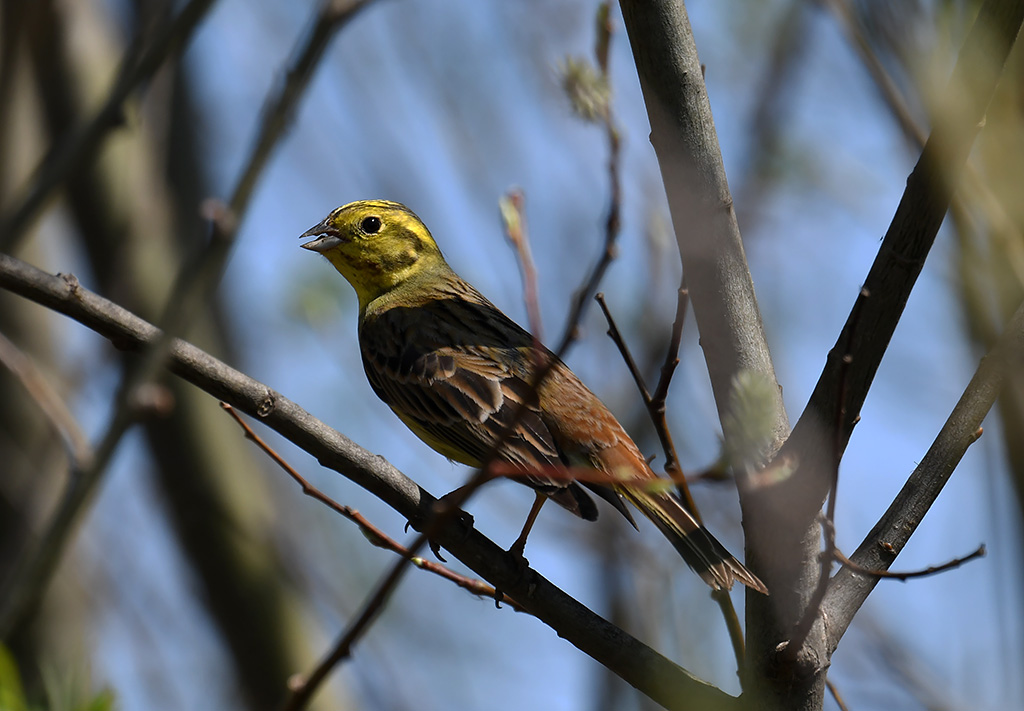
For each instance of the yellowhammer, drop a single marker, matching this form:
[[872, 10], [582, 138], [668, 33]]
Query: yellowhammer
[[455, 369]]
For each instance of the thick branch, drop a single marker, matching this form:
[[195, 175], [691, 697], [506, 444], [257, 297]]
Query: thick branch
[[725, 308], [633, 661], [849, 589], [684, 137]]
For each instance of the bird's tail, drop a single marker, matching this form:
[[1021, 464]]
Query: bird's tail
[[701, 551]]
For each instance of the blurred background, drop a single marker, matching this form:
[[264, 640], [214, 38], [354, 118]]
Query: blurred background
[[201, 578]]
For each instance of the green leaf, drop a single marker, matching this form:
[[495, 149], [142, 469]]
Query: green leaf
[[12, 695]]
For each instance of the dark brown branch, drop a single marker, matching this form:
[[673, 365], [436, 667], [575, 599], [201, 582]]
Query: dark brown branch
[[903, 576], [655, 408], [848, 590], [668, 368], [803, 628], [636, 663]]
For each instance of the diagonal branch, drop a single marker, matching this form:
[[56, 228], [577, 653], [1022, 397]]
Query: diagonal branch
[[639, 665], [849, 589], [904, 249]]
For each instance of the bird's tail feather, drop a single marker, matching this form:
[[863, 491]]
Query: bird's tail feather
[[701, 551]]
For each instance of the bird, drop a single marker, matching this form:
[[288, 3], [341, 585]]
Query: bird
[[460, 374]]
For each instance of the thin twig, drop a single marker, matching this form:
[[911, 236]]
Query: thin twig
[[813, 609], [612, 220], [660, 396], [50, 403], [514, 219], [832, 689], [627, 356], [371, 532], [303, 688], [979, 552], [140, 62], [668, 368], [656, 410]]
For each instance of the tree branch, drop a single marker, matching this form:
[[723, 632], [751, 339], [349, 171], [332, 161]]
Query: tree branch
[[684, 138], [724, 304], [639, 665], [849, 589]]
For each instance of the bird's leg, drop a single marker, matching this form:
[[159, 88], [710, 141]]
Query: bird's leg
[[447, 502], [446, 505], [516, 551], [520, 545]]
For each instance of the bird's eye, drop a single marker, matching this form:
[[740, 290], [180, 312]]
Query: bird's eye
[[370, 225]]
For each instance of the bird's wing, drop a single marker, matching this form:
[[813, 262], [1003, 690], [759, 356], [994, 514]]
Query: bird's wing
[[462, 397]]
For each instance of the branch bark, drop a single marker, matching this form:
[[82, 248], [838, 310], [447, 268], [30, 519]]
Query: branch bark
[[724, 304], [684, 138]]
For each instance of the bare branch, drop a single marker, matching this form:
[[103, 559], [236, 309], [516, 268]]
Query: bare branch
[[849, 589], [904, 576], [656, 410], [514, 219], [810, 615], [904, 249], [836, 695], [717, 277], [684, 138]]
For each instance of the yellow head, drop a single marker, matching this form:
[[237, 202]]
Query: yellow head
[[376, 245]]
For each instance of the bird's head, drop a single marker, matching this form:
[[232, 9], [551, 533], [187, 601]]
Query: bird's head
[[375, 244]]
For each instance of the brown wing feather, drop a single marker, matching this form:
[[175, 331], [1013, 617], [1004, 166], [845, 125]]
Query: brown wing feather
[[460, 396]]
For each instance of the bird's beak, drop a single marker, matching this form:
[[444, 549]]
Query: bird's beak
[[323, 240]]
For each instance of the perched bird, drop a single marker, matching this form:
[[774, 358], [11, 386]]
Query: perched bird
[[457, 371]]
